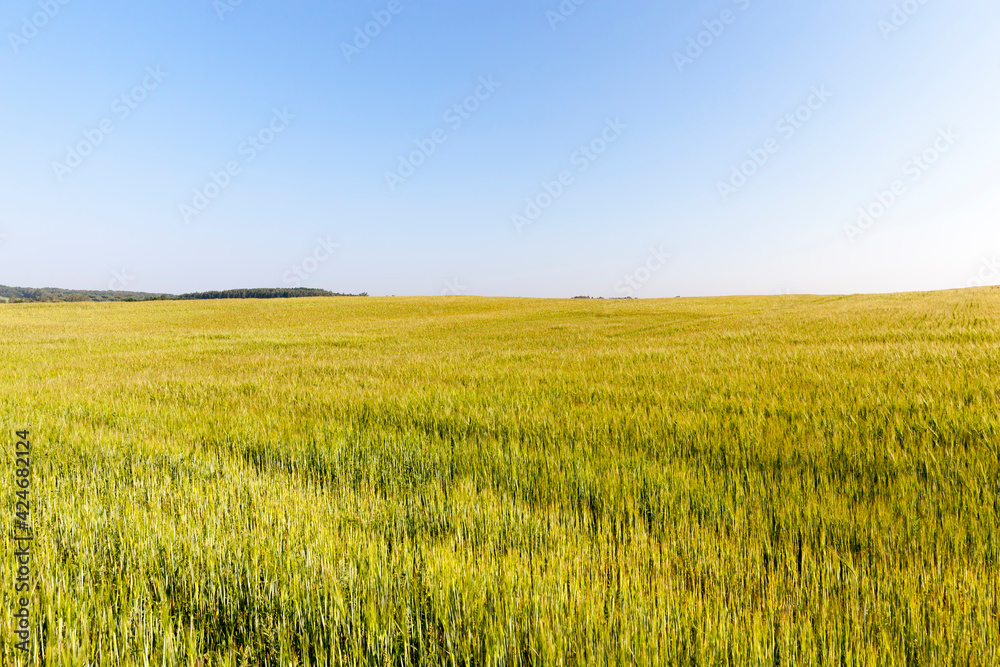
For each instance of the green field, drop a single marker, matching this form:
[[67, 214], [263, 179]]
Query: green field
[[739, 481]]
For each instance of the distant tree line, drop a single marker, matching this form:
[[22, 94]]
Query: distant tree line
[[613, 298], [265, 293], [30, 294], [56, 294]]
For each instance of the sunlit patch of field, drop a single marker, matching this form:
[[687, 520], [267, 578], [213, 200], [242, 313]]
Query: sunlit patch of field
[[739, 481]]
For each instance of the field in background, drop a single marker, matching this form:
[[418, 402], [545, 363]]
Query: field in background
[[787, 480]]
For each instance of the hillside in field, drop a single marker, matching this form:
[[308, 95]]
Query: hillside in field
[[737, 481]]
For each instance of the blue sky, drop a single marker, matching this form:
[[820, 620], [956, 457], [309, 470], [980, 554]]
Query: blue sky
[[596, 149]]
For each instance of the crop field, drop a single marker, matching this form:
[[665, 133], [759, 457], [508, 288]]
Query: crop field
[[466, 481]]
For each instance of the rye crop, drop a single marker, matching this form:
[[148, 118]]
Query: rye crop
[[463, 481]]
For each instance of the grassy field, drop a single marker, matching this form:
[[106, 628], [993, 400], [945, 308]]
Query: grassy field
[[741, 481]]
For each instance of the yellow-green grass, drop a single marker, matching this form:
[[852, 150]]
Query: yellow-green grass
[[739, 481]]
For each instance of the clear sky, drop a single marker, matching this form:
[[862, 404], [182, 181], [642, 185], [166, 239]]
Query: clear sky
[[500, 148]]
